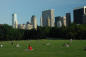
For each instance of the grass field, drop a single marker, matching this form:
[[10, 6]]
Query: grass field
[[54, 48]]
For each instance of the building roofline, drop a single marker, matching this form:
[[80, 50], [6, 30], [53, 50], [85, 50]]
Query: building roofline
[[48, 10], [79, 7]]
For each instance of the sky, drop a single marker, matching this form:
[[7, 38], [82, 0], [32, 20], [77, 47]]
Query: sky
[[26, 8]]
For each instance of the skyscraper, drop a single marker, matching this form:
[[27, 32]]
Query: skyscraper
[[68, 19], [41, 22], [48, 14], [64, 21], [78, 15], [34, 22], [58, 21], [14, 21]]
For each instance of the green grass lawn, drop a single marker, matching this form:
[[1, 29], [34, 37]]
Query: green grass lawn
[[40, 49]]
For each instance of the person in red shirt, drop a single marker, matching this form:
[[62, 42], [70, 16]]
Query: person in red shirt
[[29, 47]]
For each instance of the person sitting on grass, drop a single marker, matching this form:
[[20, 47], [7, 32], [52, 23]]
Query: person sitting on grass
[[17, 45], [30, 47], [1, 45], [67, 45]]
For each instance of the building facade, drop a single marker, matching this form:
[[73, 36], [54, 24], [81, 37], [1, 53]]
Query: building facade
[[64, 21], [84, 19], [41, 22], [58, 21], [68, 19], [48, 14], [78, 15], [28, 26], [34, 22], [48, 22], [21, 26]]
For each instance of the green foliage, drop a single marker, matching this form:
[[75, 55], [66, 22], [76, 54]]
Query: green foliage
[[73, 31], [8, 33]]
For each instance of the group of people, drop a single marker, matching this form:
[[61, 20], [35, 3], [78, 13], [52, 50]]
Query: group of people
[[29, 46], [17, 46]]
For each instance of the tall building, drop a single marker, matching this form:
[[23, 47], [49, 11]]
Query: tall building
[[58, 21], [34, 22], [64, 21], [41, 22], [78, 15], [14, 21], [48, 14], [68, 19]]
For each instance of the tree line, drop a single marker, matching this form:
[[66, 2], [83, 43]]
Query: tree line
[[73, 31]]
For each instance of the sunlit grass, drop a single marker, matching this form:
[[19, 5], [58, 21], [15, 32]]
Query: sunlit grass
[[43, 48]]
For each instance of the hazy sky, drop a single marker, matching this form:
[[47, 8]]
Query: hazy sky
[[26, 8]]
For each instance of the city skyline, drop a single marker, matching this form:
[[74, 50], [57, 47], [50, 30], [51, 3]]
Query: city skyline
[[25, 9]]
